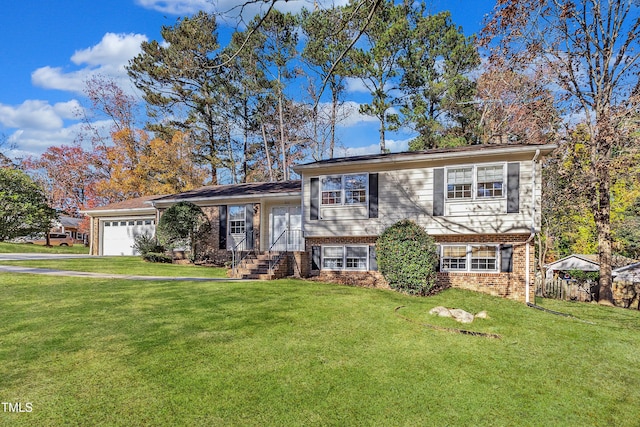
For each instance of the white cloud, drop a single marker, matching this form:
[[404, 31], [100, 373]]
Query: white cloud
[[107, 58], [394, 146], [232, 9], [38, 115], [113, 50]]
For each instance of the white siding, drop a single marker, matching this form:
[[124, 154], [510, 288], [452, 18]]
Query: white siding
[[408, 194]]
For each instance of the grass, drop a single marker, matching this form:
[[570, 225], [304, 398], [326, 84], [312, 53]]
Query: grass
[[290, 352], [129, 265], [25, 248]]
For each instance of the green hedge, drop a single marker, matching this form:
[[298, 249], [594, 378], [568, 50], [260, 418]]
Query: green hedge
[[407, 258]]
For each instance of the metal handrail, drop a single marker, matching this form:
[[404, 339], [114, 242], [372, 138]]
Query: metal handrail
[[272, 262], [234, 251]]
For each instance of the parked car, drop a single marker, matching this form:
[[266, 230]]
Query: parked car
[[55, 239]]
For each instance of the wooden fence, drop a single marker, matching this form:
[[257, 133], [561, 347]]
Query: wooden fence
[[570, 290]]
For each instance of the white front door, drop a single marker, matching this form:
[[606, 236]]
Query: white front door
[[286, 229]]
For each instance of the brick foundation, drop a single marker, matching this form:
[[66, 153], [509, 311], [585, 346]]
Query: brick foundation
[[507, 285]]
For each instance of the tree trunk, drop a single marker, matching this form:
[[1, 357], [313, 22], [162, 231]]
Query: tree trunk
[[383, 125], [603, 226], [283, 145], [266, 151], [334, 118]]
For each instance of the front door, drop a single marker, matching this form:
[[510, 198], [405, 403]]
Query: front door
[[286, 228]]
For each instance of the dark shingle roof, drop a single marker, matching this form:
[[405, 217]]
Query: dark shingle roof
[[137, 203], [247, 189]]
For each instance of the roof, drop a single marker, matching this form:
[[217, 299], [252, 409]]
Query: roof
[[139, 203], [576, 262], [293, 187], [590, 262], [629, 272], [69, 221], [433, 154]]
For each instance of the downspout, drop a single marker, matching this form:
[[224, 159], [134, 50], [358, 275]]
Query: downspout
[[533, 227]]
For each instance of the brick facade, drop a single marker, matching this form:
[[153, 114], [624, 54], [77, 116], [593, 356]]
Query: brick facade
[[507, 285]]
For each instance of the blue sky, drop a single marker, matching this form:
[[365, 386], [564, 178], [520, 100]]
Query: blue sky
[[49, 48]]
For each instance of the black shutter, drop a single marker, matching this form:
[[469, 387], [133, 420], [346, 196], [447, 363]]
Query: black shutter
[[373, 262], [316, 257], [513, 188], [223, 227], [438, 192], [373, 195], [315, 198], [248, 225], [506, 258]]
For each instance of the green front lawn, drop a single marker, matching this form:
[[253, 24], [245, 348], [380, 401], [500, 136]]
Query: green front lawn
[[290, 352], [130, 265], [25, 248]]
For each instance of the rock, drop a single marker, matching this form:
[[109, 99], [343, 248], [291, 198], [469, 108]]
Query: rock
[[482, 315], [461, 315], [440, 311]]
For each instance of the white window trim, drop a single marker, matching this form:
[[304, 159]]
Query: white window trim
[[244, 219], [474, 183], [468, 268], [344, 258], [343, 190]]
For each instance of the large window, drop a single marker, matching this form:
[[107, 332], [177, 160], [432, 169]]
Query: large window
[[236, 219], [469, 257], [345, 257], [344, 189], [488, 182]]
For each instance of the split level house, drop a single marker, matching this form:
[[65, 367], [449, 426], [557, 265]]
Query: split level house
[[480, 203]]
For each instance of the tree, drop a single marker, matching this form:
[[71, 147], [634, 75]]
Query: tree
[[438, 91], [516, 108], [180, 81], [327, 38], [68, 175], [377, 63], [183, 224], [23, 206], [590, 51]]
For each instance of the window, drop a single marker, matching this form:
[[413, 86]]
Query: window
[[484, 257], [332, 190], [123, 223], [355, 189], [454, 257], [132, 223], [332, 257], [138, 222], [469, 258], [356, 257], [148, 222], [490, 180], [344, 189], [459, 182], [107, 224], [236, 219], [345, 257]]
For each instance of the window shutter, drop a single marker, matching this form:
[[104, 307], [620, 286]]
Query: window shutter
[[513, 188], [315, 198], [248, 225], [506, 258], [438, 192], [373, 195], [373, 261], [316, 257], [222, 229]]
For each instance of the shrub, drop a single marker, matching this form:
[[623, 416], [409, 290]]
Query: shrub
[[183, 224], [145, 243], [157, 257], [407, 258]]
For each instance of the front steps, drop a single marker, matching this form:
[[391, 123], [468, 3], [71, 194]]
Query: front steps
[[256, 266]]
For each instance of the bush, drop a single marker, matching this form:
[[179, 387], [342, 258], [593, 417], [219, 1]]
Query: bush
[[145, 243], [407, 258], [157, 257], [183, 224]]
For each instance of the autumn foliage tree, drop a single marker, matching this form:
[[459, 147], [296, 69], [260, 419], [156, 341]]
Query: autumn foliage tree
[[590, 52]]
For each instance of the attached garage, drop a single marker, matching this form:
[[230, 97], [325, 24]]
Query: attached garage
[[118, 235], [114, 227]]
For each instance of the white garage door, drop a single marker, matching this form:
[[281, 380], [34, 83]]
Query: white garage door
[[118, 236]]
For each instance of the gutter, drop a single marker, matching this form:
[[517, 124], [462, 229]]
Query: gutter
[[249, 197], [533, 227]]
